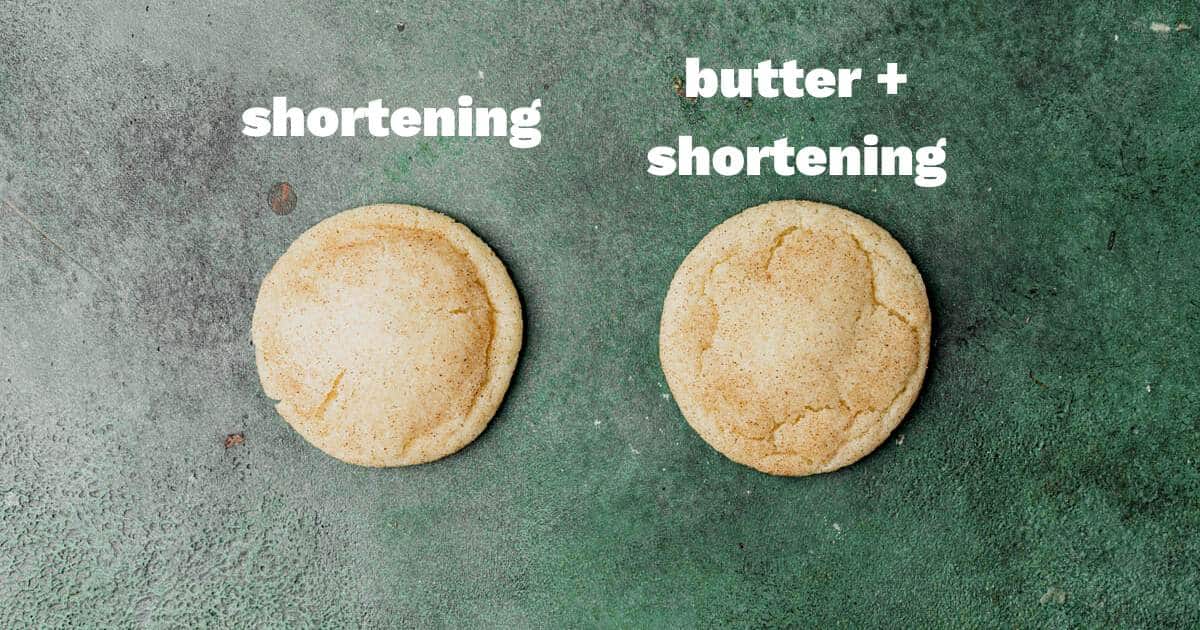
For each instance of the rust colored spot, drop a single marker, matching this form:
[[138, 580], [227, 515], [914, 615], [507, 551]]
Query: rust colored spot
[[233, 439], [680, 91], [282, 198]]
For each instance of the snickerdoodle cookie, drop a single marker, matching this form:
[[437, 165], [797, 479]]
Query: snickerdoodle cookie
[[388, 334], [795, 337]]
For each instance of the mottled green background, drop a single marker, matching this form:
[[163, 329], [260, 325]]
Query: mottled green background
[[1049, 474]]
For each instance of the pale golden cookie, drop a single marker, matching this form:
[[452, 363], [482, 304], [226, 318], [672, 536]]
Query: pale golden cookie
[[388, 334], [795, 337]]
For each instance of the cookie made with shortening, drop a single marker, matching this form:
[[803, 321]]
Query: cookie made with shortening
[[388, 334], [795, 337]]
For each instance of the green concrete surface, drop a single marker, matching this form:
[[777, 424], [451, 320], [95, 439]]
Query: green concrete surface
[[1048, 475]]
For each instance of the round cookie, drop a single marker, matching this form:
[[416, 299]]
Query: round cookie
[[388, 334], [795, 337]]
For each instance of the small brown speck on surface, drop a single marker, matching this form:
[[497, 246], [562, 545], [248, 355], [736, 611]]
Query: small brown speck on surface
[[677, 85], [282, 198], [234, 439]]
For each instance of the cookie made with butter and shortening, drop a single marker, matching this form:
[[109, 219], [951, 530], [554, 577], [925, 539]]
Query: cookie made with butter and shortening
[[795, 337], [388, 334]]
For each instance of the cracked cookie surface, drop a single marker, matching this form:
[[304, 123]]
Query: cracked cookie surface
[[388, 335], [795, 337]]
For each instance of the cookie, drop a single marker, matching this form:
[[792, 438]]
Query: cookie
[[388, 335], [795, 337]]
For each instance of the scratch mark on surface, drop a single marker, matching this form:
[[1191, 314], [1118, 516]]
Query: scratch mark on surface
[[1160, 27], [62, 250]]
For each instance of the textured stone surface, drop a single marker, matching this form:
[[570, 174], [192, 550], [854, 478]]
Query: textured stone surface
[[1047, 476]]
